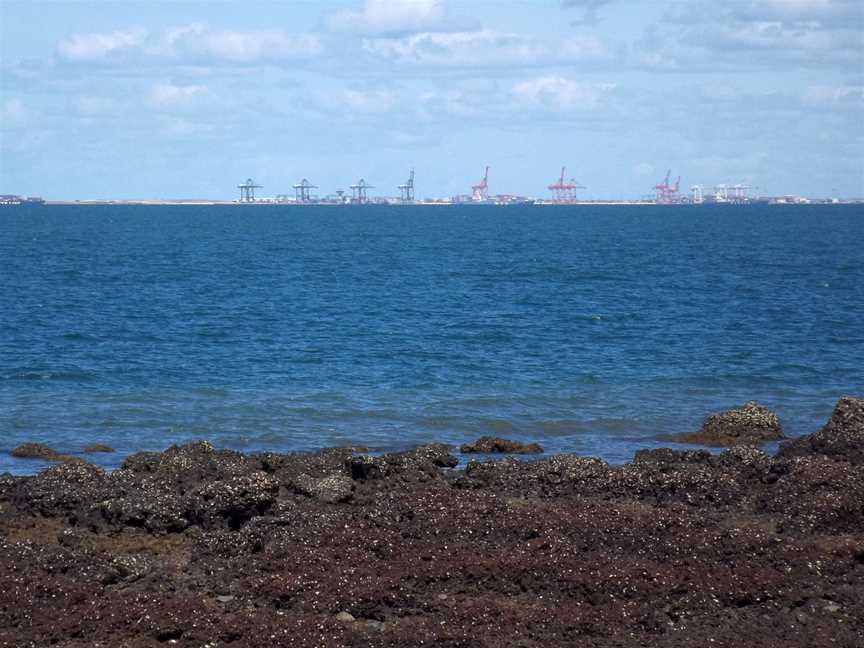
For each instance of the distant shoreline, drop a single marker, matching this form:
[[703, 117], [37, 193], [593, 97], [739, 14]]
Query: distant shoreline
[[538, 203]]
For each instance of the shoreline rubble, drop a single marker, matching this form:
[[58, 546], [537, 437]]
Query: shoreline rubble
[[197, 546]]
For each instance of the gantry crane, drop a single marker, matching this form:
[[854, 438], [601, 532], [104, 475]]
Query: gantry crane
[[247, 190], [358, 191], [406, 191], [301, 190]]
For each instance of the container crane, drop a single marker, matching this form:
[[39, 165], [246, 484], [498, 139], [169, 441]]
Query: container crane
[[247, 190], [358, 191], [406, 191], [565, 191], [665, 193], [480, 192], [301, 190]]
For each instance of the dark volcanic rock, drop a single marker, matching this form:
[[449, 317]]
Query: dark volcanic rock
[[236, 500], [200, 547], [129, 568], [190, 464], [842, 437], [295, 470], [668, 456], [64, 489], [815, 494], [8, 482], [333, 488], [552, 477], [490, 445], [145, 503], [750, 424], [747, 462], [419, 464]]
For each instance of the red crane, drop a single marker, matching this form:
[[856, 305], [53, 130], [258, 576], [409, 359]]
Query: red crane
[[666, 194], [481, 191], [558, 189], [565, 191]]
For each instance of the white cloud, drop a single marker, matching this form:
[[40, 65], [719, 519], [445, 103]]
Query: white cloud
[[167, 96], [101, 47], [391, 16], [801, 42], [197, 42], [194, 43], [486, 47], [558, 94], [801, 32], [822, 11]]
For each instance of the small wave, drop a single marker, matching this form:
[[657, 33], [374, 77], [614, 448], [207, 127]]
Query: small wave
[[216, 334], [78, 337], [36, 375], [565, 427]]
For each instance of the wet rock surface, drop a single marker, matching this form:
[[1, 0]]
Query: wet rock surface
[[98, 447], [196, 546], [842, 436], [492, 445], [40, 451], [750, 424], [34, 451]]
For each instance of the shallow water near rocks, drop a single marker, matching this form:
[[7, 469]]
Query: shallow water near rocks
[[586, 329]]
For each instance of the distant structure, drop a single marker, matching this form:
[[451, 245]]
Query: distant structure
[[666, 194], [565, 191], [480, 191], [723, 193], [247, 190], [302, 191], [358, 191], [13, 199], [731, 193], [739, 192], [406, 191]]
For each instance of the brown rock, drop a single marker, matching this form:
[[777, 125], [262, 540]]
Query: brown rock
[[748, 425], [98, 447], [35, 451], [202, 547], [490, 445]]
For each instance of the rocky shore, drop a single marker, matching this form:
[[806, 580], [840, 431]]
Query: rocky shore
[[202, 547]]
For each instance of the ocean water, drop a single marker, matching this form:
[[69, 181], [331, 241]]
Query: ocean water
[[589, 329]]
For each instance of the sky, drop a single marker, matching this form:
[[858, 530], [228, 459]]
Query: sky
[[186, 99]]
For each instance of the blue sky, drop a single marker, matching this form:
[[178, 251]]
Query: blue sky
[[167, 99]]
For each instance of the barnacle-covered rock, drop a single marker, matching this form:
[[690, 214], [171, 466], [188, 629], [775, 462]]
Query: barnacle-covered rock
[[421, 463], [332, 488], [493, 445], [842, 437], [60, 490], [750, 424]]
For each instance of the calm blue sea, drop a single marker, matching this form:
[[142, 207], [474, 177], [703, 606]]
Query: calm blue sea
[[588, 329]]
